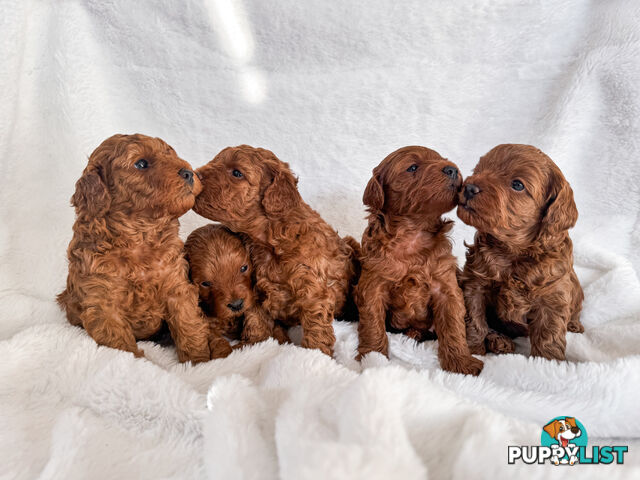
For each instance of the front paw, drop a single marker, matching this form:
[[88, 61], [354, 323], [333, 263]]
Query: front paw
[[466, 366], [575, 327], [220, 348], [498, 343]]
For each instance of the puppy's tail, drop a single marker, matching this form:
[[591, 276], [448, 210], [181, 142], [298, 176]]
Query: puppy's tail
[[350, 312]]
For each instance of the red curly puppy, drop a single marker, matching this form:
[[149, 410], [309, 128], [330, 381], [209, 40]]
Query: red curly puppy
[[127, 272], [303, 269], [408, 280], [220, 265], [519, 277]]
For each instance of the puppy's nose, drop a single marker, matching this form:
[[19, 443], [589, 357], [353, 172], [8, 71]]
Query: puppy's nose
[[451, 172], [187, 175], [236, 305], [575, 430], [471, 191]]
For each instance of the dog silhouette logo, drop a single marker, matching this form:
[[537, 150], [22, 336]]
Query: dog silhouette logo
[[568, 434]]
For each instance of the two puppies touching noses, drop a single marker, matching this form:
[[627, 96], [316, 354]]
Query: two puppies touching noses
[[518, 279], [274, 262]]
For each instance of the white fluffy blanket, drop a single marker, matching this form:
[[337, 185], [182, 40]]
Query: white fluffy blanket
[[331, 87]]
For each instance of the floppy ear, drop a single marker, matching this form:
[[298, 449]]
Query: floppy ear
[[91, 197], [561, 212], [551, 429], [571, 421], [374, 193], [282, 194]]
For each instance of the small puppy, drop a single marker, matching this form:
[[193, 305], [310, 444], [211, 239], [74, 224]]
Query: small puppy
[[221, 268], [519, 277], [303, 269], [408, 279], [127, 272]]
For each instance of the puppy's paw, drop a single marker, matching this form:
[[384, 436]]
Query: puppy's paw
[[414, 333], [220, 348], [465, 366], [498, 343], [281, 335], [575, 327]]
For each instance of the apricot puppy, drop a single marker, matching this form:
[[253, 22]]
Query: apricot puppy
[[519, 277], [408, 280], [303, 269], [127, 272], [221, 268]]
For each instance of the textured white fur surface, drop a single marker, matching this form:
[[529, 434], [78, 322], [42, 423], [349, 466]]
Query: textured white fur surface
[[330, 87]]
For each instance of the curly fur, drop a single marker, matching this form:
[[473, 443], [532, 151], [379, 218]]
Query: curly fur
[[127, 272], [220, 265], [303, 269], [519, 277], [408, 280]]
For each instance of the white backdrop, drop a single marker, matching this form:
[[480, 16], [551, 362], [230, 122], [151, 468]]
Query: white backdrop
[[331, 88]]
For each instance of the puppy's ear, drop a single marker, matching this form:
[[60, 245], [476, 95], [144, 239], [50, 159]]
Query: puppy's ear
[[282, 194], [552, 428], [561, 212], [374, 193], [571, 421], [92, 196]]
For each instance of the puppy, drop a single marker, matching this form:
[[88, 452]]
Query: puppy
[[127, 272], [221, 268], [303, 269], [519, 277], [408, 279], [563, 431]]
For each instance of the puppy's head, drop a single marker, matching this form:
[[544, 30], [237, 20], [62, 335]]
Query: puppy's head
[[517, 194], [413, 180], [219, 264], [135, 174], [243, 183]]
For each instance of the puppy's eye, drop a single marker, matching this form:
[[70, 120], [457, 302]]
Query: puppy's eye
[[517, 185], [237, 174], [244, 268], [141, 164], [412, 168], [205, 284]]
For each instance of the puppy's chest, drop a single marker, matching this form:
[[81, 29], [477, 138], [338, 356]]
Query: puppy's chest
[[414, 259], [144, 266], [280, 280]]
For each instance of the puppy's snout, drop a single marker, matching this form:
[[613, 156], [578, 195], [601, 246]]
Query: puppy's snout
[[471, 190], [236, 305], [451, 172], [187, 175], [575, 430]]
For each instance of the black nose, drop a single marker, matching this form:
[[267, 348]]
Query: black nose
[[471, 191], [236, 305], [187, 175], [575, 430], [451, 172]]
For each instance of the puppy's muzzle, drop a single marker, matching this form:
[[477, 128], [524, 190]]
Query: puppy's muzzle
[[451, 172], [236, 305], [470, 191], [187, 175]]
